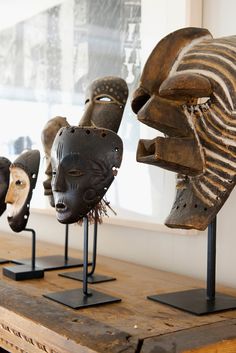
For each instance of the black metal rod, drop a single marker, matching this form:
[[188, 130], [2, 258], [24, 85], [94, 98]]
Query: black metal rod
[[94, 257], [33, 246], [211, 260], [66, 241], [85, 264]]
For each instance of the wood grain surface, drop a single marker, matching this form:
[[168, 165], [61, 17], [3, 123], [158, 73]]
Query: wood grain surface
[[30, 322]]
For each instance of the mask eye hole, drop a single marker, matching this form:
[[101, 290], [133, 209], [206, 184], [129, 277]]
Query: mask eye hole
[[104, 99], [139, 101]]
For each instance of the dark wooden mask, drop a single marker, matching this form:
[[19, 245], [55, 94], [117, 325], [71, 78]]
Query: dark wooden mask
[[4, 181], [187, 91], [105, 101], [84, 164]]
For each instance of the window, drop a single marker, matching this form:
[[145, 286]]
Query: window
[[48, 60]]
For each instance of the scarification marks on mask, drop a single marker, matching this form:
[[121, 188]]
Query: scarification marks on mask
[[116, 89], [220, 126], [74, 186], [228, 45], [216, 125], [225, 143], [220, 159], [100, 170], [186, 49], [221, 103], [59, 150], [96, 171]]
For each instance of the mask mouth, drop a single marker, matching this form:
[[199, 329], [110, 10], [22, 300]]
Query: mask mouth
[[65, 215], [178, 150], [178, 155], [61, 207]]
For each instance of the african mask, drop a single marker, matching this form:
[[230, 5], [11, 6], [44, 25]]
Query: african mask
[[4, 181], [188, 91], [23, 177], [84, 163], [47, 137], [104, 103]]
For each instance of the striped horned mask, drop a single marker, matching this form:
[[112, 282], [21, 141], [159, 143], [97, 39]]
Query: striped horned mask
[[188, 92]]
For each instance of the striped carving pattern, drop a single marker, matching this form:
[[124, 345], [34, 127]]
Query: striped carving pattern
[[214, 120]]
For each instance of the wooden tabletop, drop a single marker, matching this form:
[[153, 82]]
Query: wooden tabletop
[[29, 322]]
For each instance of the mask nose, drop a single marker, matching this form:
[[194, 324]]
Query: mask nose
[[48, 170], [58, 182], [86, 119], [10, 195], [140, 98], [47, 186]]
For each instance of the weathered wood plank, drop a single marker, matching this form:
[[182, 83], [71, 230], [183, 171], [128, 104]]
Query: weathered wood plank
[[41, 325], [213, 338], [109, 328]]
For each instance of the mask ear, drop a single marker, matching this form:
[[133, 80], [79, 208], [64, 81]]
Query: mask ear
[[166, 52], [185, 85]]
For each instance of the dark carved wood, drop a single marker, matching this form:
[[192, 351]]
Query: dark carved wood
[[105, 101], [31, 323]]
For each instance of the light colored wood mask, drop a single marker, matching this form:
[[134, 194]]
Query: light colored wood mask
[[187, 91]]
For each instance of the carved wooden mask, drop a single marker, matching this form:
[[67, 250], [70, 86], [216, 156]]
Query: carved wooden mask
[[84, 164], [23, 174], [47, 137], [105, 102], [188, 91], [4, 181]]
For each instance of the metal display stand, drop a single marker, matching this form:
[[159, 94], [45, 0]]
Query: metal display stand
[[201, 301], [55, 262], [82, 297], [92, 277], [21, 272], [4, 261]]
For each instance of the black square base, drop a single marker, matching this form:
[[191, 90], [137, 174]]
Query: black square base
[[195, 302], [76, 299], [53, 262], [4, 261], [22, 272], [92, 279]]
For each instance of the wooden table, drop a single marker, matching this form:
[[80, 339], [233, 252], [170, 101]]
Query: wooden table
[[30, 322]]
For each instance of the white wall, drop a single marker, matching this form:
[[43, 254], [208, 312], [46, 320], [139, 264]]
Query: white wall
[[219, 17], [151, 244]]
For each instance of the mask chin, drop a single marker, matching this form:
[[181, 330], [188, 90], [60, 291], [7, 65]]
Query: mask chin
[[19, 221]]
